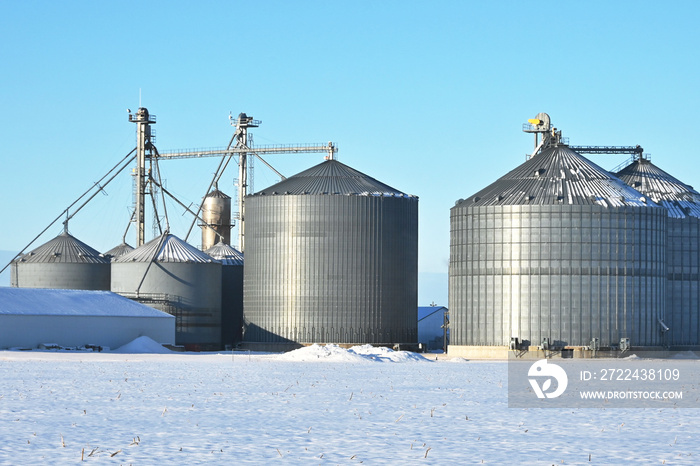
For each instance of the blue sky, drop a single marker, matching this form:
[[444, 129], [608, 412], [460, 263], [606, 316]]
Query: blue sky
[[428, 97]]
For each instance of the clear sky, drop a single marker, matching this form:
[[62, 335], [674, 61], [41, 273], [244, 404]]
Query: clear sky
[[428, 97]]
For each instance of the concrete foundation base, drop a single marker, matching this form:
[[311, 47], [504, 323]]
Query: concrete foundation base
[[535, 352]]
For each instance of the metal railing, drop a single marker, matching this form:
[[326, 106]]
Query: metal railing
[[266, 149]]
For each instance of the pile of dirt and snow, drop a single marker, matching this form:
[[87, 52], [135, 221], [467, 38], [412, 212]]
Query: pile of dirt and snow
[[142, 345], [458, 359], [364, 353], [632, 356], [315, 352], [382, 354]]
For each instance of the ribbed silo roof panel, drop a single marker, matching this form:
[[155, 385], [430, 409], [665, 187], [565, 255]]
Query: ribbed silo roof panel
[[556, 176], [218, 194], [166, 248], [118, 251], [225, 254], [332, 177], [64, 249], [679, 199]]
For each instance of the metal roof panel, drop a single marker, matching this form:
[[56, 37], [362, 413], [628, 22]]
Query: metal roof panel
[[37, 301], [556, 176], [166, 248], [679, 199], [225, 254], [332, 177], [64, 249], [118, 251]]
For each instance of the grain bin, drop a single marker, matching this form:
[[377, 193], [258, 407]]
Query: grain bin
[[231, 291], [557, 249], [682, 203], [331, 257], [62, 263], [216, 211], [175, 277]]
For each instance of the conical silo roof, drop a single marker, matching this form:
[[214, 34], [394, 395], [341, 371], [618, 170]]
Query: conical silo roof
[[166, 248], [225, 254], [332, 177], [218, 194], [679, 199], [557, 176], [118, 251], [64, 249]]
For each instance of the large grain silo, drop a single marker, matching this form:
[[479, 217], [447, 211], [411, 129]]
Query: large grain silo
[[682, 204], [216, 211], [231, 291], [557, 249], [331, 257], [62, 263], [175, 277]]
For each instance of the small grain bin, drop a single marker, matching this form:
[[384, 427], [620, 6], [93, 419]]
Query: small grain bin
[[216, 211], [62, 263], [175, 277]]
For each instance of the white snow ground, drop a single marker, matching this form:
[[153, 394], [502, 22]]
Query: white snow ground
[[318, 405]]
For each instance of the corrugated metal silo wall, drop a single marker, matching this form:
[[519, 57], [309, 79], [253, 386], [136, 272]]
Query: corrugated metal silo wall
[[683, 293], [61, 275], [189, 291], [231, 304], [567, 273], [331, 269]]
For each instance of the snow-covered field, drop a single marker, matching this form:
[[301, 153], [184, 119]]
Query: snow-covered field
[[318, 405]]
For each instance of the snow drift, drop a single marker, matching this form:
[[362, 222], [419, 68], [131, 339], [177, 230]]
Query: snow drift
[[142, 345], [334, 353]]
